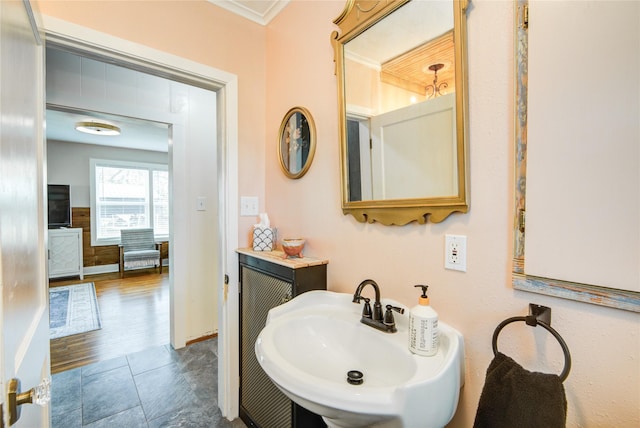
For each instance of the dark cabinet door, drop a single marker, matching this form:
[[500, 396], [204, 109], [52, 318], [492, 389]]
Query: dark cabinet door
[[264, 285]]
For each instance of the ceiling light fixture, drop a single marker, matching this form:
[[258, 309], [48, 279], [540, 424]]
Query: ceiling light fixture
[[97, 128], [436, 88]]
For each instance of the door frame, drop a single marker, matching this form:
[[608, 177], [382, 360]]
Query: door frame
[[89, 42]]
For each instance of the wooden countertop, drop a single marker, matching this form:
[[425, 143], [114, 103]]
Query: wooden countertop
[[278, 257]]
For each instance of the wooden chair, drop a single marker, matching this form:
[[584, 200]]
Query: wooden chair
[[139, 250]]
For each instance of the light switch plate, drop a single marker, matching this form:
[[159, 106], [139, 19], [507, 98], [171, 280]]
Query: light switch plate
[[248, 206], [201, 203]]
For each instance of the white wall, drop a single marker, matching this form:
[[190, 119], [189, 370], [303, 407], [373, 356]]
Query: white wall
[[90, 85], [582, 168], [68, 163]]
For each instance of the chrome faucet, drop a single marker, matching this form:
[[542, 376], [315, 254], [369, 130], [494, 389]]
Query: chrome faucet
[[374, 318]]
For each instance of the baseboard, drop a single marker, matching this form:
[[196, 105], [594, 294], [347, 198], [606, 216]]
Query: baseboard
[[96, 270], [200, 339]]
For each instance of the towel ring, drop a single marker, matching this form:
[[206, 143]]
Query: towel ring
[[534, 320]]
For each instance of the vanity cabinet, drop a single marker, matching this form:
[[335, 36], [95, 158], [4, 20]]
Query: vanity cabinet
[[267, 280], [65, 253]]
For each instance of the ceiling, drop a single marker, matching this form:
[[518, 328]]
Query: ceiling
[[411, 70], [136, 133]]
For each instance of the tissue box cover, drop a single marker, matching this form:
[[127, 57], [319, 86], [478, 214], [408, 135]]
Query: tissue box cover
[[264, 239]]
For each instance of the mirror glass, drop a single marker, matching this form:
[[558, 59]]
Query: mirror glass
[[297, 142], [401, 74]]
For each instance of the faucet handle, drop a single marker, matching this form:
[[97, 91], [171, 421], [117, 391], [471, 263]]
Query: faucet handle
[[366, 310], [388, 316], [398, 309]]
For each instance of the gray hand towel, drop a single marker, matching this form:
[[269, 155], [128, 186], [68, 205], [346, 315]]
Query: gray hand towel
[[515, 397]]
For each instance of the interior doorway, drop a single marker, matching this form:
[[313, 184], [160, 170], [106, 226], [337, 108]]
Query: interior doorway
[[83, 89], [114, 180], [97, 45]]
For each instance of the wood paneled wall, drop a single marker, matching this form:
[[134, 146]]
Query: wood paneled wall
[[102, 255]]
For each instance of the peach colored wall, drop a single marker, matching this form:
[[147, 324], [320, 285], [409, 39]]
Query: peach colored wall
[[602, 388], [202, 32]]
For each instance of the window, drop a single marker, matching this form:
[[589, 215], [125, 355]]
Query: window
[[128, 195]]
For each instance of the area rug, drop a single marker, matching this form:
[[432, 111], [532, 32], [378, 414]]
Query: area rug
[[73, 309]]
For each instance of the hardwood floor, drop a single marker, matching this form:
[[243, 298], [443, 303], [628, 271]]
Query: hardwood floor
[[135, 315]]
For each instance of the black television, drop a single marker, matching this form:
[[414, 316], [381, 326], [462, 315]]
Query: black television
[[59, 203]]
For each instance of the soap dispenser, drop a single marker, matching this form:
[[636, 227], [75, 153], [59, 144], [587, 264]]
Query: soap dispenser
[[423, 327]]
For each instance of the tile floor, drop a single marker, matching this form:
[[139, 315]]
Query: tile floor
[[158, 387]]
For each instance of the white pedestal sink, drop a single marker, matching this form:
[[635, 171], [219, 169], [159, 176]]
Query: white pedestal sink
[[310, 343]]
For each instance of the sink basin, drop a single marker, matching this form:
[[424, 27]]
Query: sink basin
[[310, 343]]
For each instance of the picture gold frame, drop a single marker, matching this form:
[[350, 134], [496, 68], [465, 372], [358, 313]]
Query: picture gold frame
[[296, 142]]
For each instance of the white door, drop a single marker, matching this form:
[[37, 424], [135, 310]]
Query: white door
[[24, 304], [411, 151]]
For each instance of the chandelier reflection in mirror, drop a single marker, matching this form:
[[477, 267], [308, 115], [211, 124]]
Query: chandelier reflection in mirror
[[436, 88]]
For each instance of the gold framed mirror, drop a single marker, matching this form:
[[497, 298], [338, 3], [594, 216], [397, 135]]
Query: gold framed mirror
[[402, 92], [296, 142]]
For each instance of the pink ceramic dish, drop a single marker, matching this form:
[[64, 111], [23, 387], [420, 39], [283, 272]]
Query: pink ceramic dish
[[293, 247]]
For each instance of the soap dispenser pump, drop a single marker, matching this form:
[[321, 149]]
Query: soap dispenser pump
[[423, 327]]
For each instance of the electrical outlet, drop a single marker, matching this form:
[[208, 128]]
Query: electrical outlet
[[248, 206], [455, 252]]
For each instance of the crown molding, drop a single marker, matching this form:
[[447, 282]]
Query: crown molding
[[261, 12]]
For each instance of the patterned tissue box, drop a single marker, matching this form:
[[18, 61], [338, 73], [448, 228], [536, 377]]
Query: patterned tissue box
[[264, 238]]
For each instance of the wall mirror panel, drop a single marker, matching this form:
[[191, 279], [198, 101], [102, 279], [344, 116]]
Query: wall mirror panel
[[401, 71], [577, 199]]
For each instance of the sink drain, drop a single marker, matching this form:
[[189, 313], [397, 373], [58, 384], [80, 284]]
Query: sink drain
[[355, 377]]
